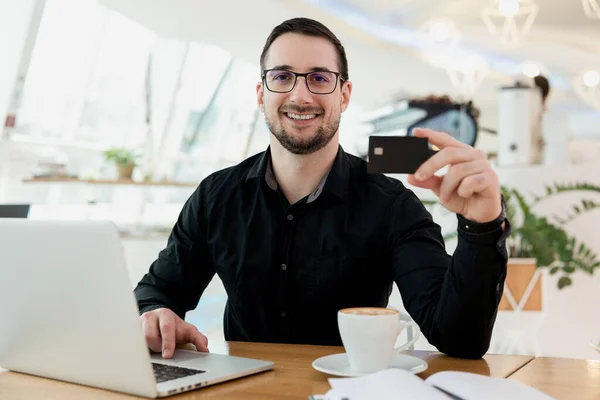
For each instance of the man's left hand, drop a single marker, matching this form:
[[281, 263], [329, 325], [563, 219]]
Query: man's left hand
[[470, 187]]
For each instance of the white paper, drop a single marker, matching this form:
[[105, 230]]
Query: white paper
[[398, 384], [471, 386], [388, 384]]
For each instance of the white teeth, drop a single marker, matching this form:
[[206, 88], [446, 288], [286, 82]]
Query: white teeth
[[297, 116]]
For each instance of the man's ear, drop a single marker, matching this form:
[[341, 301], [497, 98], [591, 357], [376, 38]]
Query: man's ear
[[346, 94], [259, 96]]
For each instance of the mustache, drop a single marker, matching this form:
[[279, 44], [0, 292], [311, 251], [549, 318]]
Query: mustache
[[301, 110]]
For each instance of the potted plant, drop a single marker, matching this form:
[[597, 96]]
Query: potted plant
[[544, 238], [541, 241], [124, 159]]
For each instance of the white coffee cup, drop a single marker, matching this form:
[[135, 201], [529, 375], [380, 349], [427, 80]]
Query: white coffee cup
[[369, 335]]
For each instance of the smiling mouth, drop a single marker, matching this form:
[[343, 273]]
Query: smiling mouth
[[301, 117]]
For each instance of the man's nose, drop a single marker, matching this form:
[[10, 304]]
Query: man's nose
[[301, 94]]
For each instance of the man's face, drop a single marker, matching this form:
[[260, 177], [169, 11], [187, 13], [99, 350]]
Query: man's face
[[302, 121]]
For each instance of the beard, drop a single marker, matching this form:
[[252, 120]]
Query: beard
[[317, 141]]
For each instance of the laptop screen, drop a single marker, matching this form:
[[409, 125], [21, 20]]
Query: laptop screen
[[14, 210]]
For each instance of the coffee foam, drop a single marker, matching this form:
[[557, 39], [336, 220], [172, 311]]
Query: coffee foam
[[373, 311]]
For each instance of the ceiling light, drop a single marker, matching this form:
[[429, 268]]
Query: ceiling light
[[531, 69], [508, 15], [465, 70], [587, 87], [591, 8], [508, 8], [441, 34], [591, 79]]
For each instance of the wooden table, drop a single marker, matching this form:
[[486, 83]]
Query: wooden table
[[292, 378], [562, 378]]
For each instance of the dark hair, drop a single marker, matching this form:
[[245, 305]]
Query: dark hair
[[308, 27], [543, 84]]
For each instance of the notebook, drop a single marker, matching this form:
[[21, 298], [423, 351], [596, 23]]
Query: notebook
[[398, 384]]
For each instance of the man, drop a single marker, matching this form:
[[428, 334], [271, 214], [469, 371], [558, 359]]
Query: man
[[542, 83], [538, 144], [302, 230]]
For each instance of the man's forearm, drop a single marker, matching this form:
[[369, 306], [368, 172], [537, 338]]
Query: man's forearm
[[182, 271], [168, 284], [470, 295], [149, 298]]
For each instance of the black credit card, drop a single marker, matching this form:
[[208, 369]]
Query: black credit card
[[397, 154]]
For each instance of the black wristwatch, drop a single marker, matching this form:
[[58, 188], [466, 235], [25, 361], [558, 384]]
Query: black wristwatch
[[467, 225]]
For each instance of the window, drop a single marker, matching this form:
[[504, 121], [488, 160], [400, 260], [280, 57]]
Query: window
[[100, 80], [63, 55]]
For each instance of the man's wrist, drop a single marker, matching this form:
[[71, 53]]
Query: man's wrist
[[470, 226], [466, 225]]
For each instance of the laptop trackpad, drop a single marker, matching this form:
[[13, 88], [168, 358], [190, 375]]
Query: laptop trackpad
[[180, 356]]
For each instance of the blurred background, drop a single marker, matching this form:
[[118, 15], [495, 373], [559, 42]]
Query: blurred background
[[118, 109]]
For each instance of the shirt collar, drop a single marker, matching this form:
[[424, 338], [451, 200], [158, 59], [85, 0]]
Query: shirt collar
[[259, 168], [335, 182], [338, 179]]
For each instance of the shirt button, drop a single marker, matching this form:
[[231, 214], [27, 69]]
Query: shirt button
[[290, 217], [283, 315], [283, 267]]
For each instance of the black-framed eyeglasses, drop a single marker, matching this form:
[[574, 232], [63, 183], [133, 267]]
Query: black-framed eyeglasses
[[284, 81]]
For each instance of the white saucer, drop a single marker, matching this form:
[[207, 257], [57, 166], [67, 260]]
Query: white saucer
[[337, 364]]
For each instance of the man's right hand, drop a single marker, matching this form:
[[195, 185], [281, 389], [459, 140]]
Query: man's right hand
[[164, 330]]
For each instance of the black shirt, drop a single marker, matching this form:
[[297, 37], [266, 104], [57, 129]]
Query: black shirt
[[287, 269]]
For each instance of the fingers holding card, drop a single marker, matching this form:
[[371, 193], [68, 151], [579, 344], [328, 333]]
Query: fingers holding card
[[438, 139], [470, 186]]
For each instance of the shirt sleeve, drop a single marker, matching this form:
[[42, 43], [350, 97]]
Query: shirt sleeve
[[183, 270], [453, 299]]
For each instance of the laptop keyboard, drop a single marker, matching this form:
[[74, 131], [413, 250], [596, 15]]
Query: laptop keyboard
[[165, 373]]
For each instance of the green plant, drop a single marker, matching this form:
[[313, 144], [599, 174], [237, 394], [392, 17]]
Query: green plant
[[120, 156], [544, 237]]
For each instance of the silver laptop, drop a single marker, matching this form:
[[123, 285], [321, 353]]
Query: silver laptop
[[67, 312]]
